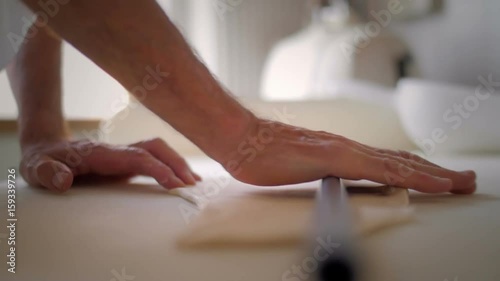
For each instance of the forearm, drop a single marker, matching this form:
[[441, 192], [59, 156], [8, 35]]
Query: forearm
[[35, 79], [125, 37]]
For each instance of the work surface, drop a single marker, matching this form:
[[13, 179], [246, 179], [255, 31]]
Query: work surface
[[127, 232]]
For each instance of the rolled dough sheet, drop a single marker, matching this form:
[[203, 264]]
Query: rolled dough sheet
[[242, 214]]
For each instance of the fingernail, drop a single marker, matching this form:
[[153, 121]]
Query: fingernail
[[469, 173], [59, 180]]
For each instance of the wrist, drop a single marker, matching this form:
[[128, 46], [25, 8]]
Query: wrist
[[229, 134], [43, 132]]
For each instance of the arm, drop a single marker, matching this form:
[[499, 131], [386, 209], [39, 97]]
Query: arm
[[50, 158], [35, 80], [128, 37]]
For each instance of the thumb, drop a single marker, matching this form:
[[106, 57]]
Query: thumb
[[53, 174]]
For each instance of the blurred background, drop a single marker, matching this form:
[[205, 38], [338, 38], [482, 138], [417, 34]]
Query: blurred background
[[386, 73]]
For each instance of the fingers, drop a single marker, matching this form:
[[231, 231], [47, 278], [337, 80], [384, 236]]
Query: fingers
[[160, 150], [49, 173], [56, 165], [55, 174], [466, 191], [405, 155], [393, 172], [462, 182], [115, 160], [143, 163]]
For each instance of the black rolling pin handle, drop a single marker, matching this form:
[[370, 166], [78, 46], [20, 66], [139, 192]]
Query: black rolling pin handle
[[334, 227]]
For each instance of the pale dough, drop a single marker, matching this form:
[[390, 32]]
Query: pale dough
[[242, 214]]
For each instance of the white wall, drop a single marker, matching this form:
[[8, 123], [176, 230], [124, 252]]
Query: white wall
[[89, 92]]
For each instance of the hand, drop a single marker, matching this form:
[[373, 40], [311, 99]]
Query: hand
[[273, 153], [55, 164]]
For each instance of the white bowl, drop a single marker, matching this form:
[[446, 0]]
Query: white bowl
[[447, 118]]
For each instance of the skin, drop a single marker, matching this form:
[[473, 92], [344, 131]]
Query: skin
[[125, 37], [45, 140]]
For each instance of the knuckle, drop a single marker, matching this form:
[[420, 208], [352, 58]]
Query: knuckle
[[169, 172], [423, 177], [390, 165], [337, 148], [166, 172], [393, 173], [409, 157], [405, 171], [404, 154], [30, 161], [85, 148], [416, 158], [139, 153]]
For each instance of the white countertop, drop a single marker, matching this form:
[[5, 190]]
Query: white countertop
[[95, 232]]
